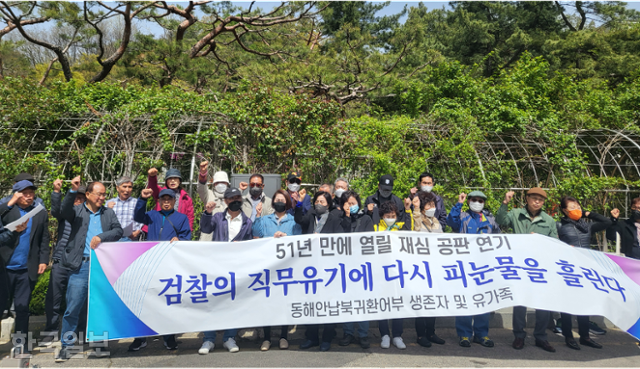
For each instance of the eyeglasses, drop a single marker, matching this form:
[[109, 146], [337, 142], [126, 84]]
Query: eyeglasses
[[295, 180], [100, 195], [253, 185]]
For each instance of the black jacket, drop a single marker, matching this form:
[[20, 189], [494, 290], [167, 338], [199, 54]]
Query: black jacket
[[359, 222], [579, 233], [78, 216], [308, 221], [39, 239], [628, 236], [375, 199], [64, 227]]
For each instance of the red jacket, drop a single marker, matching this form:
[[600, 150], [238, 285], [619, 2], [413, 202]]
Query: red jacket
[[186, 203]]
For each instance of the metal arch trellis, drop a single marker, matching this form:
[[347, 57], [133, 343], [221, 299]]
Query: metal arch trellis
[[609, 150]]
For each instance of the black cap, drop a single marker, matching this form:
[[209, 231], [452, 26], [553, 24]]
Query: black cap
[[82, 190], [386, 182], [24, 177], [232, 192], [293, 175]]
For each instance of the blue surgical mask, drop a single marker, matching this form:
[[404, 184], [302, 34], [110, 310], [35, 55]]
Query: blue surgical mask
[[354, 209]]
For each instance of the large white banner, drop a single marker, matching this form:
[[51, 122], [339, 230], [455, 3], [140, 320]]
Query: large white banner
[[148, 288]]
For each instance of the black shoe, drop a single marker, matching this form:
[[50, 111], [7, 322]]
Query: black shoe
[[518, 343], [325, 346], [484, 341], [63, 355], [589, 342], [571, 343], [364, 342], [171, 343], [464, 342], [137, 344], [437, 340], [424, 342], [545, 346], [308, 344], [347, 340], [48, 339]]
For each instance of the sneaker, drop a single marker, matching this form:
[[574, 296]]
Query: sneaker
[[399, 343], [207, 347], [284, 344], [100, 352], [557, 330], [63, 355], [266, 345], [171, 343], [137, 344], [347, 340], [231, 345], [364, 342], [48, 339], [464, 342], [594, 329], [484, 341], [386, 342]]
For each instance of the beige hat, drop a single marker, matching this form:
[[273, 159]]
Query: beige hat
[[221, 177], [537, 191]]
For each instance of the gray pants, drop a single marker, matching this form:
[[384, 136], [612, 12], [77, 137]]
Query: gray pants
[[520, 321]]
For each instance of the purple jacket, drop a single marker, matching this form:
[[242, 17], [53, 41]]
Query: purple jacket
[[218, 225]]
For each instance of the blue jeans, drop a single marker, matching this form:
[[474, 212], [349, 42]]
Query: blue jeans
[[480, 325], [77, 292], [363, 328], [211, 335]]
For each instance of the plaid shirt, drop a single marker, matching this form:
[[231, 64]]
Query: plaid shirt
[[124, 213]]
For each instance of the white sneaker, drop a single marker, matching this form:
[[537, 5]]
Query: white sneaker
[[386, 342], [398, 342], [265, 346], [207, 346], [231, 345]]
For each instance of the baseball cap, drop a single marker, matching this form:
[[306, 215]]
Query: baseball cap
[[22, 185], [386, 182], [293, 175], [167, 192], [232, 192]]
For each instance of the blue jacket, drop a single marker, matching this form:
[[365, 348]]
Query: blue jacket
[[218, 225], [267, 226], [154, 220], [471, 222]]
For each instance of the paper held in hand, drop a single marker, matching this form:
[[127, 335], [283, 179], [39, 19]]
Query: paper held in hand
[[13, 225]]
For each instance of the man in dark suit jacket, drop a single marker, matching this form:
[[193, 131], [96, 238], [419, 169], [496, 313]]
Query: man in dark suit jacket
[[28, 255], [628, 229]]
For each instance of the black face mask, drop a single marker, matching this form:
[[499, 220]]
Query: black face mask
[[635, 214], [279, 206], [235, 206], [255, 192], [385, 193]]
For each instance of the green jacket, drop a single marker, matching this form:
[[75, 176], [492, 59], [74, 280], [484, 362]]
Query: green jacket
[[520, 221]]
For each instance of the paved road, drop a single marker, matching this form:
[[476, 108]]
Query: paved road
[[620, 350]]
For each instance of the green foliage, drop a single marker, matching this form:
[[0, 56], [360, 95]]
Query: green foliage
[[39, 294]]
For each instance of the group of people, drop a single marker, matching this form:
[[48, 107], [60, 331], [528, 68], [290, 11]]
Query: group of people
[[86, 219]]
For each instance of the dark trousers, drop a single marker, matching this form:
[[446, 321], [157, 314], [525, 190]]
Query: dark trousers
[[567, 325], [328, 332], [4, 288], [425, 327], [20, 288], [58, 280], [520, 321], [396, 327], [284, 331]]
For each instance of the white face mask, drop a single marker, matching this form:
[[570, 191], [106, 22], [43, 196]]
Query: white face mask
[[293, 187], [430, 212], [339, 192], [220, 188], [426, 188], [390, 221], [476, 206]]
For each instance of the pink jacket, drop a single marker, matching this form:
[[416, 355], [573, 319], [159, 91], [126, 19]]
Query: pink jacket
[[186, 203]]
